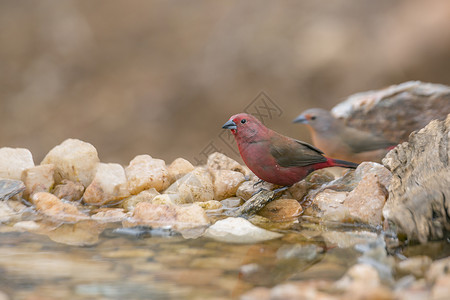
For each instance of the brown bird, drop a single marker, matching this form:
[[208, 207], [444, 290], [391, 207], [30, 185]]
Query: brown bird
[[340, 141], [276, 158]]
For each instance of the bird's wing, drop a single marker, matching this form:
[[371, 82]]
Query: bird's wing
[[294, 153], [361, 141]]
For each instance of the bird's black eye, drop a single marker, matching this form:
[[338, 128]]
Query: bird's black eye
[[313, 118], [243, 121]]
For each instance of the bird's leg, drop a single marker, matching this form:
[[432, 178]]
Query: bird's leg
[[259, 190], [281, 189], [258, 182]]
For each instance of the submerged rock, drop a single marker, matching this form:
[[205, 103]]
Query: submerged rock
[[177, 217], [9, 188], [239, 230], [420, 188], [281, 210], [74, 160], [13, 161], [56, 209]]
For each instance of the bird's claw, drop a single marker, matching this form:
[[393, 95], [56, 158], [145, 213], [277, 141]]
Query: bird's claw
[[281, 189], [258, 182], [259, 190]]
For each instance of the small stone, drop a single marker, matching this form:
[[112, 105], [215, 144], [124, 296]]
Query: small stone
[[210, 205], [194, 186], [258, 293], [441, 289], [29, 226], [231, 202], [308, 290], [438, 268], [145, 172], [74, 160], [154, 214], [82, 233], [7, 213], [226, 183], [281, 210], [190, 216], [145, 196], [363, 282], [347, 239], [178, 168], [417, 266], [69, 190], [328, 205], [239, 230], [107, 186], [366, 201], [169, 199], [13, 161], [109, 215], [10, 188], [219, 161], [38, 179], [248, 188], [53, 207], [179, 217]]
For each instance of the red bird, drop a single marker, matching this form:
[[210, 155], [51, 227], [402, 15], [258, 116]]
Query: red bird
[[276, 158]]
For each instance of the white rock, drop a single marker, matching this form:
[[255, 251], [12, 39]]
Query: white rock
[[194, 186], [178, 168], [38, 179], [13, 161], [109, 185], [239, 230], [145, 172], [74, 160]]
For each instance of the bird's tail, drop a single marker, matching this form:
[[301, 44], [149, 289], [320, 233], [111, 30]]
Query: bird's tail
[[343, 163]]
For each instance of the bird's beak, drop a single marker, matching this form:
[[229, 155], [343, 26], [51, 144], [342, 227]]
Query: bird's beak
[[229, 125], [301, 119]]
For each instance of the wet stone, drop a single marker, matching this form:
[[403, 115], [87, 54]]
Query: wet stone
[[239, 230], [38, 179], [53, 207], [281, 210], [417, 266], [108, 185], [9, 188], [69, 190], [145, 196]]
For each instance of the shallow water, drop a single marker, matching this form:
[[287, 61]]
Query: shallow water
[[129, 266]]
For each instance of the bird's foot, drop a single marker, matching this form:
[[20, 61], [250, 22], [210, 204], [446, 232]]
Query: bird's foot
[[259, 190], [258, 182], [281, 189]]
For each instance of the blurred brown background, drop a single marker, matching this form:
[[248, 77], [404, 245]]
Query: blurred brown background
[[161, 77]]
